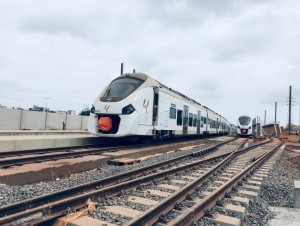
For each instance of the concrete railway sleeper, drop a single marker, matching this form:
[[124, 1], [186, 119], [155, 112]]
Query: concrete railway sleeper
[[33, 206], [34, 202], [206, 195]]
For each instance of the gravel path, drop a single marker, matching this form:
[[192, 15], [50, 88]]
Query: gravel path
[[257, 214], [278, 188]]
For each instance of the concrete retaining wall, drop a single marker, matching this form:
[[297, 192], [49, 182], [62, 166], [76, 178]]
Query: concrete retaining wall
[[55, 121], [14, 119], [84, 123], [33, 120], [10, 119], [73, 122]]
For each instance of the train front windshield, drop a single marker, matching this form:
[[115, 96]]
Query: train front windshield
[[122, 87], [244, 121]]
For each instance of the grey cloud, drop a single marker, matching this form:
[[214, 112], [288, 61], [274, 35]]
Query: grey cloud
[[227, 55]]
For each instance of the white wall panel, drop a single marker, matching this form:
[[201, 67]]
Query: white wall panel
[[10, 119], [33, 120], [55, 121]]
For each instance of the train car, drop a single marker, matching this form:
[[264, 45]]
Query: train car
[[136, 105], [244, 126]]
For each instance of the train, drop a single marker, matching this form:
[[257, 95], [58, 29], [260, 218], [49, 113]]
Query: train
[[244, 126], [137, 105]]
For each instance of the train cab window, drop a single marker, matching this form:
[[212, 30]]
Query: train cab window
[[179, 117], [173, 113], [194, 120], [204, 120], [190, 119], [244, 121], [122, 87]]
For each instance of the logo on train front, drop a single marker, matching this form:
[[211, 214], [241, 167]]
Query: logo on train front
[[107, 106], [146, 104]]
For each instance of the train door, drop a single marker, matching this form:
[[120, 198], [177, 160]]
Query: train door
[[217, 126], [198, 121], [155, 107], [185, 119]]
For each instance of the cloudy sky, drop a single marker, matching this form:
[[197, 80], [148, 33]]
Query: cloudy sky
[[235, 57]]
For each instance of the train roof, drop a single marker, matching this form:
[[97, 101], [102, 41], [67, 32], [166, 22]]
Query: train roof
[[153, 82], [245, 116]]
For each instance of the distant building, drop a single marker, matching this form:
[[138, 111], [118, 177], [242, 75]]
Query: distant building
[[61, 112], [68, 112], [37, 108], [71, 112], [2, 106]]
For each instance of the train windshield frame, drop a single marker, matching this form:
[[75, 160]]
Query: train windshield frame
[[244, 121], [123, 87]]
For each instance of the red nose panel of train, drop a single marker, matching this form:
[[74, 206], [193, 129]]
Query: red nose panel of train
[[105, 124], [244, 131]]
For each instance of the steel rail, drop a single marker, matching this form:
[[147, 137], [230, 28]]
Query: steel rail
[[8, 162], [152, 215], [198, 210], [67, 153], [95, 185], [106, 143], [6, 154]]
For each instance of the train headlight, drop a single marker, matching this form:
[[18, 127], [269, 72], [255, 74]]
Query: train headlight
[[128, 110], [250, 127], [93, 109], [239, 127]]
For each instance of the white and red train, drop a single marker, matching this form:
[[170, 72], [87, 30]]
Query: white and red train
[[134, 104], [244, 126]]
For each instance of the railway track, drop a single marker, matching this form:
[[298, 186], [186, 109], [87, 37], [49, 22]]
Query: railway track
[[18, 158], [34, 206], [205, 192]]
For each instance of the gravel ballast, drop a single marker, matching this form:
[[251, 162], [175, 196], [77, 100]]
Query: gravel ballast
[[13, 194], [276, 190]]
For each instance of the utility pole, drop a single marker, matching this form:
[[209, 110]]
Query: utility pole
[[265, 117], [46, 117], [275, 122], [290, 109], [46, 98], [122, 65]]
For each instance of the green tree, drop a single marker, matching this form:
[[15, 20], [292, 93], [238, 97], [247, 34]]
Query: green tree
[[86, 110]]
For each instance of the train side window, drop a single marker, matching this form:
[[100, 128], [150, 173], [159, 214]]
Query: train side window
[[172, 113], [204, 120], [195, 121], [179, 117], [190, 119]]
